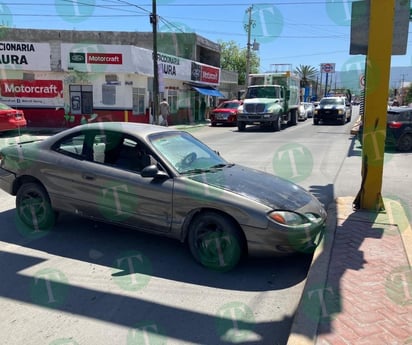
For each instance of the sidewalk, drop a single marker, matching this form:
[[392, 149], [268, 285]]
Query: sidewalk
[[359, 287]]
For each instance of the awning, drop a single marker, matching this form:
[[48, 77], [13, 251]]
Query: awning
[[208, 92]]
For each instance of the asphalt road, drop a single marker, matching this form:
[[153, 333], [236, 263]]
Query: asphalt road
[[90, 284]]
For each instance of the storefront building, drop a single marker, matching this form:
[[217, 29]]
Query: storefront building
[[61, 84]]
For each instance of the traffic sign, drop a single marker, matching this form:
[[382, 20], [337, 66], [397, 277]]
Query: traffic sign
[[327, 68]]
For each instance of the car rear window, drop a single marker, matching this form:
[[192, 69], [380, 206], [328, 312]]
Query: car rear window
[[394, 116]]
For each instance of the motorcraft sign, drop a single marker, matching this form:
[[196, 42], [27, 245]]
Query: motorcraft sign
[[96, 58], [32, 93], [25, 56]]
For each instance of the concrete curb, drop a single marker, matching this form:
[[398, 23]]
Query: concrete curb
[[304, 327]]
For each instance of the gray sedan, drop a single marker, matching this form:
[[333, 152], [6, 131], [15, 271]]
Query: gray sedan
[[163, 181]]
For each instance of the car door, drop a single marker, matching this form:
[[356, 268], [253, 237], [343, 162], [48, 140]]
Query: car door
[[104, 187]]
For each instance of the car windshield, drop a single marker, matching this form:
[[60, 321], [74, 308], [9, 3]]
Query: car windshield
[[263, 92], [229, 105], [393, 116], [330, 101], [185, 153]]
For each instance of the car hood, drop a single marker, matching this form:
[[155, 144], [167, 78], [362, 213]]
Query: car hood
[[223, 110], [267, 189]]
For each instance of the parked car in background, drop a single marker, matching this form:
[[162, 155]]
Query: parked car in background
[[309, 108], [302, 113], [11, 119], [398, 128], [333, 109], [225, 113], [162, 181]]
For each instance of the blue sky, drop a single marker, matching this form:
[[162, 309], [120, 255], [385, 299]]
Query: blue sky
[[296, 32]]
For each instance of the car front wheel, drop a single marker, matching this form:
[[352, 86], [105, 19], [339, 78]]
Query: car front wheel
[[34, 207], [215, 241], [405, 143]]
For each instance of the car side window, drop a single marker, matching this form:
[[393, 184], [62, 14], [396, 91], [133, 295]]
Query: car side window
[[72, 146], [124, 153]]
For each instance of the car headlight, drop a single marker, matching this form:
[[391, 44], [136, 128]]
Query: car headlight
[[240, 110], [289, 218], [341, 111]]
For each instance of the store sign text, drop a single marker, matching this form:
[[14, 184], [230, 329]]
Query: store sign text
[[31, 89]]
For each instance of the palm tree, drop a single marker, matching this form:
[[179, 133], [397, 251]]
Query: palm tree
[[307, 74]]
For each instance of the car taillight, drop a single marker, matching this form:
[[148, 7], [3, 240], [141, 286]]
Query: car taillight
[[395, 125]]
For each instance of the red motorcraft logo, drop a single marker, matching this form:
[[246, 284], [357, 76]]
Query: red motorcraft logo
[[209, 74], [103, 58], [31, 89]]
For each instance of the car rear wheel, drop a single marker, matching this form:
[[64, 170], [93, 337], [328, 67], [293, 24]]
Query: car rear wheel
[[34, 207], [405, 143], [215, 241]]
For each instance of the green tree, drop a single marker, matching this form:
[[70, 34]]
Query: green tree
[[233, 58], [408, 97], [307, 74]]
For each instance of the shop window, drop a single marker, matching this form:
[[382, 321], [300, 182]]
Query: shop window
[[138, 100], [81, 99], [172, 100]]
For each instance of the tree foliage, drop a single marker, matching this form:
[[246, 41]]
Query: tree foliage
[[307, 74], [234, 58], [408, 98]]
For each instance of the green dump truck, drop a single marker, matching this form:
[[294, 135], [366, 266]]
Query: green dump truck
[[271, 100]]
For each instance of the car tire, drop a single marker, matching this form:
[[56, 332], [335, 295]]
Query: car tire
[[241, 126], [216, 241], [213, 124], [343, 121], [34, 208], [315, 121], [404, 143]]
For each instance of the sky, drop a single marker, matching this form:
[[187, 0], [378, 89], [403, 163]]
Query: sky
[[289, 32]]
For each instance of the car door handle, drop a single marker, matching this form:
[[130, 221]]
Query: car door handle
[[88, 177]]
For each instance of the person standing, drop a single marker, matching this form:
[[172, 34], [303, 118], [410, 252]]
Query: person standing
[[164, 112]]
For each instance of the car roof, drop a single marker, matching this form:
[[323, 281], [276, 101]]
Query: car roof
[[400, 109], [141, 130]]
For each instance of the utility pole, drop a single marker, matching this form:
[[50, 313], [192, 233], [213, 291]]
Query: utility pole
[[248, 28], [153, 21]]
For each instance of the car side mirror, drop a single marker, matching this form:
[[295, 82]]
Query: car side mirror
[[152, 171]]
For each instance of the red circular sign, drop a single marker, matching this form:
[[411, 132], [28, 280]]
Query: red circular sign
[[327, 68]]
